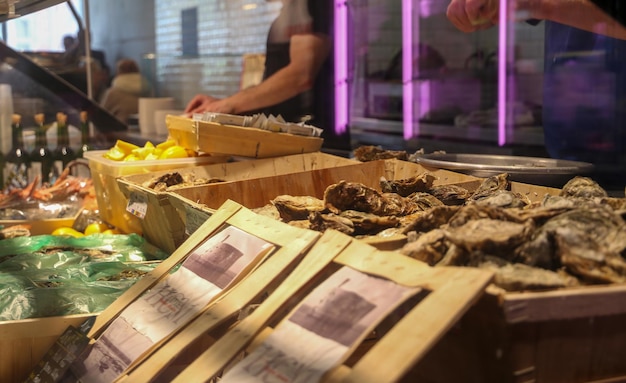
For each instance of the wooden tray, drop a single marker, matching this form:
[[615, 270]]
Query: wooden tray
[[214, 138]]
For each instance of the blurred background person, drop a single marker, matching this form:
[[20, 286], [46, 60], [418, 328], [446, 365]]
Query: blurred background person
[[121, 99]]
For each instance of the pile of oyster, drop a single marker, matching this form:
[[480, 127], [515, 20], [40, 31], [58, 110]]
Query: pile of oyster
[[575, 238]]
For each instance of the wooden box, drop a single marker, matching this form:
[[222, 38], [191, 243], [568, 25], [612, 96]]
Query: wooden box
[[23, 343], [258, 192], [161, 223], [563, 336], [215, 138], [111, 201]]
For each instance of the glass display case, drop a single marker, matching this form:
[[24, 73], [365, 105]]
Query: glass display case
[[523, 87], [418, 81]]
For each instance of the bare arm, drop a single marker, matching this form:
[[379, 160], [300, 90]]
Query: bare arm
[[582, 14], [473, 15], [307, 54]]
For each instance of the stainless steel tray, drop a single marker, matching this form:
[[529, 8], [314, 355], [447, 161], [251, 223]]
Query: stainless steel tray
[[533, 170]]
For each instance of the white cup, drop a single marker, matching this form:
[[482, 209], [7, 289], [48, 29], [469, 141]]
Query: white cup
[[147, 107], [6, 116], [159, 120]]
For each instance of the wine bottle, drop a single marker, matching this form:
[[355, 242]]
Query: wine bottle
[[63, 153], [17, 161], [84, 131], [1, 168], [42, 160]]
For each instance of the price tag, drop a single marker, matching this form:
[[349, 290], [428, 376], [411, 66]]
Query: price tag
[[137, 205]]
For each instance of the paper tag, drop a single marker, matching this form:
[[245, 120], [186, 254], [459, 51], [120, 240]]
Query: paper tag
[[57, 361], [137, 205], [194, 219]]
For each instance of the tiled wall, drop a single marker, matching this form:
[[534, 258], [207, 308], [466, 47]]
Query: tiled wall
[[227, 29]]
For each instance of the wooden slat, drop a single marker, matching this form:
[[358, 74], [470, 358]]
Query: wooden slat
[[424, 325], [213, 360], [564, 304], [163, 269], [211, 137]]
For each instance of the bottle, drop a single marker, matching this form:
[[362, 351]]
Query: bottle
[[84, 131], [63, 153], [17, 161], [1, 168], [82, 169], [42, 160]]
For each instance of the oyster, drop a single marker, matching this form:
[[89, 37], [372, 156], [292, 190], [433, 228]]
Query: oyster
[[429, 247], [504, 199], [365, 223], [472, 212], [322, 222], [431, 219], [491, 185], [424, 201], [519, 277], [583, 187], [367, 153], [405, 187], [356, 196], [450, 194], [292, 208], [490, 236]]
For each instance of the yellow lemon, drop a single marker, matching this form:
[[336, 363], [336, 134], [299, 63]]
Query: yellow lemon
[[174, 152], [67, 231], [115, 154], [166, 144], [125, 146], [111, 231], [96, 227]]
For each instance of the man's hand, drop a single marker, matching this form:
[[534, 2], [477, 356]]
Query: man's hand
[[202, 103], [473, 15]]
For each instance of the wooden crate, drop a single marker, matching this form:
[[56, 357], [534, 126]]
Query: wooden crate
[[258, 192], [569, 335], [24, 342], [409, 332], [161, 223], [111, 201], [194, 203], [210, 137]]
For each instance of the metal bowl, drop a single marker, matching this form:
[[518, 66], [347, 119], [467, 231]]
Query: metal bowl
[[532, 170]]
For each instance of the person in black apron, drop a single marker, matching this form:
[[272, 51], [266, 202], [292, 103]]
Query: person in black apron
[[298, 79]]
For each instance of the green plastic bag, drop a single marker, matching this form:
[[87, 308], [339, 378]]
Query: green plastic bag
[[49, 275]]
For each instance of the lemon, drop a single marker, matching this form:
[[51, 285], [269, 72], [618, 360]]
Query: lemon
[[125, 146], [115, 154], [174, 152], [111, 231], [166, 144], [96, 227], [67, 231]]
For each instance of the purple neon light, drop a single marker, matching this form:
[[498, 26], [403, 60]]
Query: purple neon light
[[502, 76], [341, 66], [407, 70]]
